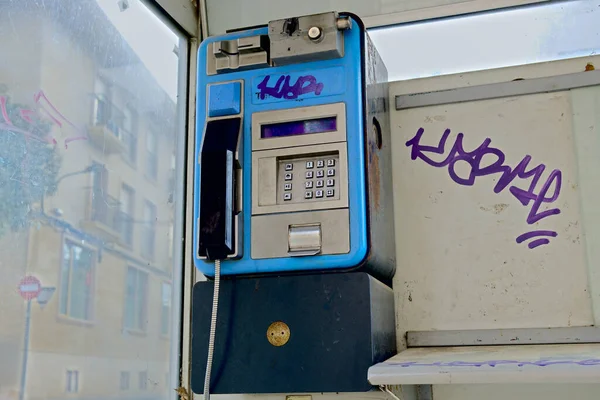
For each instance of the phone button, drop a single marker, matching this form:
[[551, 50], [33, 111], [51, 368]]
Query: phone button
[[308, 194], [308, 184], [320, 183], [330, 192], [331, 172], [288, 177], [320, 173], [289, 167], [224, 99], [287, 196], [318, 193], [330, 182], [287, 186], [320, 164]]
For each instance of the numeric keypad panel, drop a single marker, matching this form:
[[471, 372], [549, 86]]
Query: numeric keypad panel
[[308, 179]]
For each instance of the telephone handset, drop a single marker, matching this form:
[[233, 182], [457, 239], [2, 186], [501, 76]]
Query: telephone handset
[[219, 168]]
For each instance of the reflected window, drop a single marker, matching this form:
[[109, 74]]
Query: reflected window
[[165, 312], [126, 218], [72, 381], [143, 380], [136, 299], [129, 135], [149, 231], [151, 155], [77, 282], [101, 102], [124, 381]]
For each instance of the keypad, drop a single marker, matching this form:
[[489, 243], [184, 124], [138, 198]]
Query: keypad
[[314, 179]]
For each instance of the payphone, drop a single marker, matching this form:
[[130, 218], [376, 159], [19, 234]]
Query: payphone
[[292, 189]]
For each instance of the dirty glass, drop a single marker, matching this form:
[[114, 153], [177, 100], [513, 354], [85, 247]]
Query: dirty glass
[[89, 139], [524, 35]]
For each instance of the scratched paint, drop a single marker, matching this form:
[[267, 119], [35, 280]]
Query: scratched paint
[[494, 363], [548, 193], [282, 89], [46, 112]]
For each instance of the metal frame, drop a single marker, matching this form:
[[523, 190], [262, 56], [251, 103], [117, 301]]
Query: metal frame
[[443, 11], [417, 15], [489, 337], [498, 90], [183, 12]]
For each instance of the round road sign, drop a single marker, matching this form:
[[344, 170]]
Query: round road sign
[[30, 287]]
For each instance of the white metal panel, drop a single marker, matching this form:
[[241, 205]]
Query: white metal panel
[[459, 266], [438, 9], [586, 126], [232, 14], [570, 363]]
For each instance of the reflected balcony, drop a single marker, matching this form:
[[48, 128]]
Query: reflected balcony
[[106, 132], [103, 216]]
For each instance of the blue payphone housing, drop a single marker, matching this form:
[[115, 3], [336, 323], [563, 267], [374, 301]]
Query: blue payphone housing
[[301, 97], [293, 205]]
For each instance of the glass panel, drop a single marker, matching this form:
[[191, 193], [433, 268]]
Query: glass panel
[[82, 84], [547, 32]]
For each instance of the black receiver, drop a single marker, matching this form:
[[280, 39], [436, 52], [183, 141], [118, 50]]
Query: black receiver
[[218, 189]]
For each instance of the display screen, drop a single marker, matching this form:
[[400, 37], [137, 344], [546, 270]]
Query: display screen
[[293, 128]]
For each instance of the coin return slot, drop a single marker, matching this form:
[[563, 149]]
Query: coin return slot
[[304, 240]]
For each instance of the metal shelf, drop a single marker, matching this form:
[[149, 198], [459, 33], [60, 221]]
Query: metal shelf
[[562, 363]]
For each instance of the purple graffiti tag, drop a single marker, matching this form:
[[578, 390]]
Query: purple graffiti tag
[[494, 363], [474, 159], [537, 242], [282, 89]]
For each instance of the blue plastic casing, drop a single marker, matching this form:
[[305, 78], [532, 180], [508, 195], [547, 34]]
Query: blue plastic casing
[[342, 81]]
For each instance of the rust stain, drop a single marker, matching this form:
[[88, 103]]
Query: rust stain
[[374, 173], [589, 67], [183, 393]]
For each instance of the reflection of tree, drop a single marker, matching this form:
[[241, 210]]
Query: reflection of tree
[[29, 163]]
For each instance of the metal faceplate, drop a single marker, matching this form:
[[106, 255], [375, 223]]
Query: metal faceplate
[[304, 196]]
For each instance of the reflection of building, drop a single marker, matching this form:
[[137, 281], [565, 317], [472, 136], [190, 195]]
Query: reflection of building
[[105, 239]]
